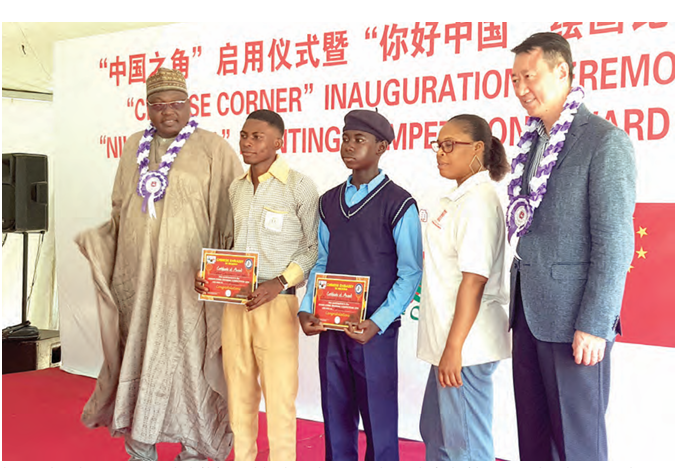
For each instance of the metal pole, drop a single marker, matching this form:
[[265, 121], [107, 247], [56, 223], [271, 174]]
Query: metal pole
[[24, 296]]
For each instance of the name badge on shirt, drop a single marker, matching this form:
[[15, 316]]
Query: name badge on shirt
[[437, 221], [273, 221]]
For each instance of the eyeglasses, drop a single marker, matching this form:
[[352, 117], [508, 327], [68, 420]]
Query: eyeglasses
[[447, 145], [161, 106]]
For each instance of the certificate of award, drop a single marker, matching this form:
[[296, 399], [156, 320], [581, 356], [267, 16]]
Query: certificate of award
[[339, 299], [231, 276]]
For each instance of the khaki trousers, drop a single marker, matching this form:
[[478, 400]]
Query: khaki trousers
[[262, 343]]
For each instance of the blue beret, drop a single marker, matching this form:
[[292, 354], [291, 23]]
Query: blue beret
[[371, 122]]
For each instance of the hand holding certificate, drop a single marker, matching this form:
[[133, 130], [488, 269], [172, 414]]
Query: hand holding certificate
[[340, 299], [231, 276]]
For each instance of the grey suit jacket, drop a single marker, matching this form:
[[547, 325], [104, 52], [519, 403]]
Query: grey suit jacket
[[575, 257]]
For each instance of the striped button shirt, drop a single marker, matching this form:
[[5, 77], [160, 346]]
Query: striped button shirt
[[540, 148], [279, 221]]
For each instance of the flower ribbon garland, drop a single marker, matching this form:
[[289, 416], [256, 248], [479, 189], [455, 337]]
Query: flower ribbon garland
[[522, 207], [153, 184]]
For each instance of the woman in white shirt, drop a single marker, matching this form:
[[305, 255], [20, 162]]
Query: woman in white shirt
[[463, 319]]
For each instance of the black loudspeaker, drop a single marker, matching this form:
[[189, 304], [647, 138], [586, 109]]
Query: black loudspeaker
[[24, 192]]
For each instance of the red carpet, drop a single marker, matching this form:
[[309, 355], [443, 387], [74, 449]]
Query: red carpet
[[41, 422]]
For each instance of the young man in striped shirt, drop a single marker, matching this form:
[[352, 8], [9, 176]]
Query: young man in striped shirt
[[275, 214]]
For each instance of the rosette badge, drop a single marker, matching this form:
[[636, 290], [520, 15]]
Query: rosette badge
[[519, 217], [153, 184], [151, 187]]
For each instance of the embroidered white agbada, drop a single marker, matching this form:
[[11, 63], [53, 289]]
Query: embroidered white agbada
[[162, 377]]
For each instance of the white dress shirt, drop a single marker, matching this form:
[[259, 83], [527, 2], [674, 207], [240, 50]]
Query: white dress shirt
[[465, 234]]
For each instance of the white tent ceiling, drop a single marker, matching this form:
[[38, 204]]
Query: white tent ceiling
[[27, 50]]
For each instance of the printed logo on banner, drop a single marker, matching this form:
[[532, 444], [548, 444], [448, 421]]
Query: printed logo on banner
[[413, 310]]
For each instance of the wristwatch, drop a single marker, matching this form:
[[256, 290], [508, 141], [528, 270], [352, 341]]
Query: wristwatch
[[283, 281]]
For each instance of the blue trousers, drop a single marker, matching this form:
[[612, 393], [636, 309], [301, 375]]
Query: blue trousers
[[456, 424], [361, 379], [560, 405]]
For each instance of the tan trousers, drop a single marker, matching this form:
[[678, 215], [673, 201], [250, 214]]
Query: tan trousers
[[262, 343]]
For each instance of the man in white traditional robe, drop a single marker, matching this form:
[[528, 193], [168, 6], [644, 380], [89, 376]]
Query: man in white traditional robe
[[162, 378]]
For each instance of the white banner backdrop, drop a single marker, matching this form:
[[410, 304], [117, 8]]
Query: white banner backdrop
[[418, 75]]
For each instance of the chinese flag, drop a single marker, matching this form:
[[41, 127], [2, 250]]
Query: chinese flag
[[648, 304]]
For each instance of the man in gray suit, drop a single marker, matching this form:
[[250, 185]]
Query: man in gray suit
[[572, 196]]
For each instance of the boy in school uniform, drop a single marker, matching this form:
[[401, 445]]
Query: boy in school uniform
[[370, 227], [275, 214]]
